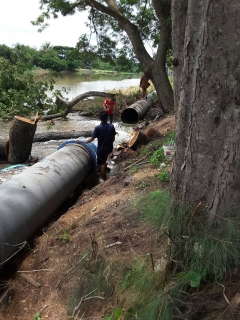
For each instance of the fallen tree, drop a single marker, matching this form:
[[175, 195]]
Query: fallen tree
[[70, 104], [46, 136]]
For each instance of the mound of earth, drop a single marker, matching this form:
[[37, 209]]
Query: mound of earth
[[97, 221]]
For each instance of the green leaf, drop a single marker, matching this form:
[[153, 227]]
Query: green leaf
[[194, 278], [117, 313]]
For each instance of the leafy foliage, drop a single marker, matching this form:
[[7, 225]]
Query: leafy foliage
[[164, 176], [19, 94], [103, 22], [157, 157]]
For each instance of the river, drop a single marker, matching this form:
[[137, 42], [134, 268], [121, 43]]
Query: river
[[74, 85]]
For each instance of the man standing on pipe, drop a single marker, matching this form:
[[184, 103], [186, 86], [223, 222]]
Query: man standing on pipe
[[105, 133]]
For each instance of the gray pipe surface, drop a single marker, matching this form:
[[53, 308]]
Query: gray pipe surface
[[136, 111], [31, 197]]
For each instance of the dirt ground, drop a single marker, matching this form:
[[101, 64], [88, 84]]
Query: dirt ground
[[97, 219]]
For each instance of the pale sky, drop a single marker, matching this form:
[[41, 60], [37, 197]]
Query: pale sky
[[16, 27]]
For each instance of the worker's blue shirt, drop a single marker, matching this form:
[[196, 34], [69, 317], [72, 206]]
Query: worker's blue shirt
[[105, 133]]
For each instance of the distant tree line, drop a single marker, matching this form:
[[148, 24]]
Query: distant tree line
[[62, 58]]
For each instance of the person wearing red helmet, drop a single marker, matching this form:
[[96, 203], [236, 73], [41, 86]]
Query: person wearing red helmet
[[109, 105]]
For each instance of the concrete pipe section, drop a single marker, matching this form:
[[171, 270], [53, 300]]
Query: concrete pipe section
[[30, 198], [136, 111]]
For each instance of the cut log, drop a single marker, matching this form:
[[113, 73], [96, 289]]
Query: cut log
[[21, 135], [46, 136], [4, 148]]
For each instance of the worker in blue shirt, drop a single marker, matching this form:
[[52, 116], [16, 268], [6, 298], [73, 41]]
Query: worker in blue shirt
[[105, 133]]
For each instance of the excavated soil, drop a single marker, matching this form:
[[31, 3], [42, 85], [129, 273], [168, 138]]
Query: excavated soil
[[97, 220]]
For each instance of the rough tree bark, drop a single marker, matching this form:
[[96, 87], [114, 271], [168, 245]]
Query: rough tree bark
[[206, 166]]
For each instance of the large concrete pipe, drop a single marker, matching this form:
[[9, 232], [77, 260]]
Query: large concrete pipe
[[136, 111], [31, 197]]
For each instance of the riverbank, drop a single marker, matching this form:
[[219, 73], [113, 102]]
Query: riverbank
[[98, 243], [39, 72]]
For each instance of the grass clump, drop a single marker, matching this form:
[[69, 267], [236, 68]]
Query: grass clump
[[150, 148], [142, 284], [95, 279], [64, 237], [170, 138], [203, 245], [200, 252], [153, 207], [158, 157], [164, 176]]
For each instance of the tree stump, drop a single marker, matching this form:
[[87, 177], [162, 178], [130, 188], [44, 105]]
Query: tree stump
[[21, 135], [139, 138]]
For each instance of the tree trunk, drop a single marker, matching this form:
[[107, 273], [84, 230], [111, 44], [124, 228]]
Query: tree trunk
[[206, 166], [21, 135], [159, 71], [46, 136]]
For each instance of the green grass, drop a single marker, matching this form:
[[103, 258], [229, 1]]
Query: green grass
[[205, 252], [153, 207]]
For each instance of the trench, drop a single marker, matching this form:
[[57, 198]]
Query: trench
[[42, 150]]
